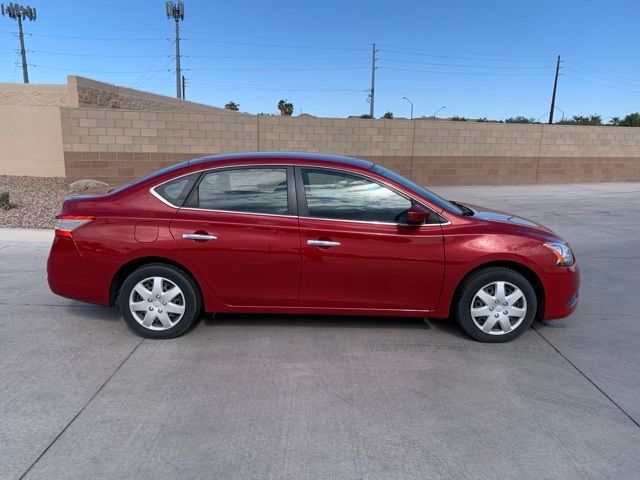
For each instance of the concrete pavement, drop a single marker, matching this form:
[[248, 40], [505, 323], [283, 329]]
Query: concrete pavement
[[298, 397]]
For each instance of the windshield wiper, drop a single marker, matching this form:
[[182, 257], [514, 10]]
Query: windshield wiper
[[466, 211]]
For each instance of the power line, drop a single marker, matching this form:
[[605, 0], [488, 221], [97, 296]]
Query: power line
[[395, 47], [458, 64], [468, 73], [273, 45], [591, 75], [154, 65], [260, 69], [462, 58], [602, 71], [601, 84]]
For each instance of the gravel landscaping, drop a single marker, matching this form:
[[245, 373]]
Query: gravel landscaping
[[34, 201]]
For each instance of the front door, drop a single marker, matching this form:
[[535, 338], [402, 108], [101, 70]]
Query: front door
[[240, 232], [355, 251]]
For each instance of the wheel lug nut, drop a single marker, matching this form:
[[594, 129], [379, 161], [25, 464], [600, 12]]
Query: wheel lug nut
[[164, 303], [505, 312], [497, 301], [149, 299], [151, 309], [491, 309], [157, 296], [505, 304], [497, 315], [159, 311]]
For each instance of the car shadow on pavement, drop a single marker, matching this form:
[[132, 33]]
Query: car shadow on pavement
[[93, 312], [447, 326]]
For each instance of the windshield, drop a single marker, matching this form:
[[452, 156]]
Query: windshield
[[432, 197]]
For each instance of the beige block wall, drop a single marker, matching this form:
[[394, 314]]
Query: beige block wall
[[31, 140], [118, 145], [90, 93], [34, 94]]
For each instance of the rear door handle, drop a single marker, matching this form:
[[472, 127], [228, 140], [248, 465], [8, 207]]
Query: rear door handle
[[199, 236], [323, 243]]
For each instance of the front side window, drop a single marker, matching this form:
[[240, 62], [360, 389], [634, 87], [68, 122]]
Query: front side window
[[248, 190], [342, 196]]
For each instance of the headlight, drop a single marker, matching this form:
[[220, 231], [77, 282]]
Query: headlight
[[562, 252]]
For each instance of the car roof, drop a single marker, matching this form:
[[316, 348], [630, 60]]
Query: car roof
[[290, 156]]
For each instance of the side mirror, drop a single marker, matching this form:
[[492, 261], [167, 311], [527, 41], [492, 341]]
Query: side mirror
[[416, 216]]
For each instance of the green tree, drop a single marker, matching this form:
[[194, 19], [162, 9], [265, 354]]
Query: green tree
[[615, 121], [286, 108], [231, 105], [458, 119], [519, 119], [365, 115], [581, 120], [631, 120], [388, 115]]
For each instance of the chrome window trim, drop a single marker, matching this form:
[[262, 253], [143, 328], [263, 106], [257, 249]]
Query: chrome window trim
[[390, 187]]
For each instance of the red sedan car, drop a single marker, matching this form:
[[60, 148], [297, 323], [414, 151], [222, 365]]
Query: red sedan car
[[305, 233]]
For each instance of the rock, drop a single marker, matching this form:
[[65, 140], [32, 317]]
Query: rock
[[4, 198], [83, 185]]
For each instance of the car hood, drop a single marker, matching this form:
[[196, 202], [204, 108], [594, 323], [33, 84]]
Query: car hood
[[489, 215]]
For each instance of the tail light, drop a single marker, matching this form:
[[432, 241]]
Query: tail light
[[66, 224]]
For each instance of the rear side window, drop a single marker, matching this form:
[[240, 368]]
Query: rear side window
[[247, 190], [176, 191]]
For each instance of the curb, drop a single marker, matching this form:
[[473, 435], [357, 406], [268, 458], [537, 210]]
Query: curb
[[35, 235]]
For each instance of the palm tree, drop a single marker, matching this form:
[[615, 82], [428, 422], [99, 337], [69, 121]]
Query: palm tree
[[286, 108], [232, 106]]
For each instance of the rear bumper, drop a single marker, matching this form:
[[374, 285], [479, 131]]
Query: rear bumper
[[561, 286], [72, 276]]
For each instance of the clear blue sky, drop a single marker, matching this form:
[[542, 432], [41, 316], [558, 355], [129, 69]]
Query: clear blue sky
[[478, 58]]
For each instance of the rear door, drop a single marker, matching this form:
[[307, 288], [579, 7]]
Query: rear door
[[239, 228], [356, 253]]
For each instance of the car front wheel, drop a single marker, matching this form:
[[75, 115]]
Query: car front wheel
[[159, 301], [495, 305]]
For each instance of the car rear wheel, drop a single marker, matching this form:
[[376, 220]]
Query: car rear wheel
[[159, 301], [495, 305]]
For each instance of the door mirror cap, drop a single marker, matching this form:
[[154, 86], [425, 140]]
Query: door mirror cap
[[416, 216]]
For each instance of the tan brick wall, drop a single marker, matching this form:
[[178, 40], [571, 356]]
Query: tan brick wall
[[92, 93], [133, 143], [31, 141]]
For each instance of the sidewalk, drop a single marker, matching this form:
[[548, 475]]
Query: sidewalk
[[34, 235]]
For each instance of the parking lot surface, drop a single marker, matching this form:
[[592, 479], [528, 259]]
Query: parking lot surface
[[298, 397]]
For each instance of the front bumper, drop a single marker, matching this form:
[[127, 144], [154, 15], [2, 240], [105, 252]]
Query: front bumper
[[561, 286]]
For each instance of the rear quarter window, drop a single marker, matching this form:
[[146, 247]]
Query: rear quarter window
[[176, 191]]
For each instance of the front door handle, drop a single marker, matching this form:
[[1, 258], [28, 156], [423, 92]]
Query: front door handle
[[323, 243], [199, 236]]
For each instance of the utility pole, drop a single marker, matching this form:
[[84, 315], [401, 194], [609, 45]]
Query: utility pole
[[19, 13], [555, 88], [183, 88], [176, 11], [372, 92]]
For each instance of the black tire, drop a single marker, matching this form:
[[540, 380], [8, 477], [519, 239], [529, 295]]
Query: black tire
[[191, 300], [472, 285]]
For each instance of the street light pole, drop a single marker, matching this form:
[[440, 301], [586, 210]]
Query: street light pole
[[372, 91], [434, 113], [405, 98]]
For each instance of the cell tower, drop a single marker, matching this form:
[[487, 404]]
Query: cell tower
[[17, 12]]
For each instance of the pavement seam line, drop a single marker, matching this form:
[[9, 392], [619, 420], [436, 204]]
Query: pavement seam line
[[81, 410], [635, 422]]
